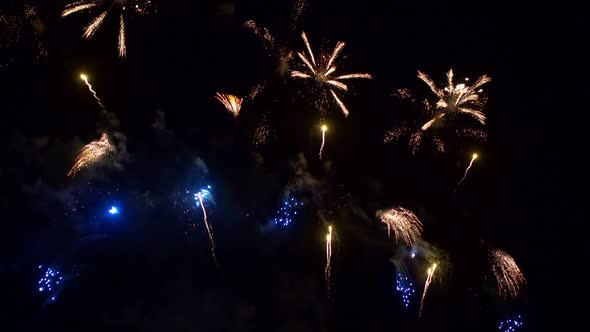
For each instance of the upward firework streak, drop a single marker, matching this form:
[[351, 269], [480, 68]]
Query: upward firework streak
[[85, 79], [323, 71], [456, 98], [91, 153], [200, 196], [138, 7], [324, 129], [509, 277], [467, 170], [231, 102], [328, 257], [426, 285], [404, 223]]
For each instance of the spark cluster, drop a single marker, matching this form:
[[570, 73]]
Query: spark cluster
[[19, 22], [403, 222], [103, 8], [323, 71], [49, 282], [262, 132], [91, 153], [231, 102], [511, 324], [287, 212], [508, 276], [404, 285], [454, 99]]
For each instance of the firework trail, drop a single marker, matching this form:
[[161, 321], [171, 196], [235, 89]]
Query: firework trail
[[138, 7], [458, 98], [85, 79], [91, 153], [426, 285], [324, 129], [328, 258], [323, 71], [231, 102], [508, 276], [473, 157], [404, 223], [205, 194]]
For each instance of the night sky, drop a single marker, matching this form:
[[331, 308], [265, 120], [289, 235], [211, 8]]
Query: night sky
[[147, 269]]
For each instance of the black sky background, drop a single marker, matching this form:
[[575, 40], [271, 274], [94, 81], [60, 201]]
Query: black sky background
[[147, 274]]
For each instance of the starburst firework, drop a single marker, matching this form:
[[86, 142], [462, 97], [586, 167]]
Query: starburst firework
[[323, 71], [508, 276], [403, 222], [104, 7], [454, 99], [91, 153], [231, 102]]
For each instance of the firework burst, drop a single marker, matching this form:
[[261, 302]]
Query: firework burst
[[403, 222], [323, 71], [508, 276], [103, 8], [454, 99], [231, 102], [91, 153], [200, 197]]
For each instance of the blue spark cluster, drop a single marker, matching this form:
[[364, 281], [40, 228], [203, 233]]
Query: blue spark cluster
[[405, 287], [205, 195], [49, 282], [511, 324], [287, 211], [113, 210]]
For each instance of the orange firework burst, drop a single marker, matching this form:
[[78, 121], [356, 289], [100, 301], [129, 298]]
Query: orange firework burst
[[103, 7], [231, 102], [404, 223], [91, 153], [323, 71], [458, 98], [509, 277]]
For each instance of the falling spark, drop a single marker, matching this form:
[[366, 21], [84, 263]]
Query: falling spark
[[324, 129], [21, 24], [85, 79], [328, 257], [473, 157], [458, 98], [426, 285], [231, 102], [91, 153], [262, 132], [324, 72], [206, 194], [404, 223], [138, 7], [508, 276]]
